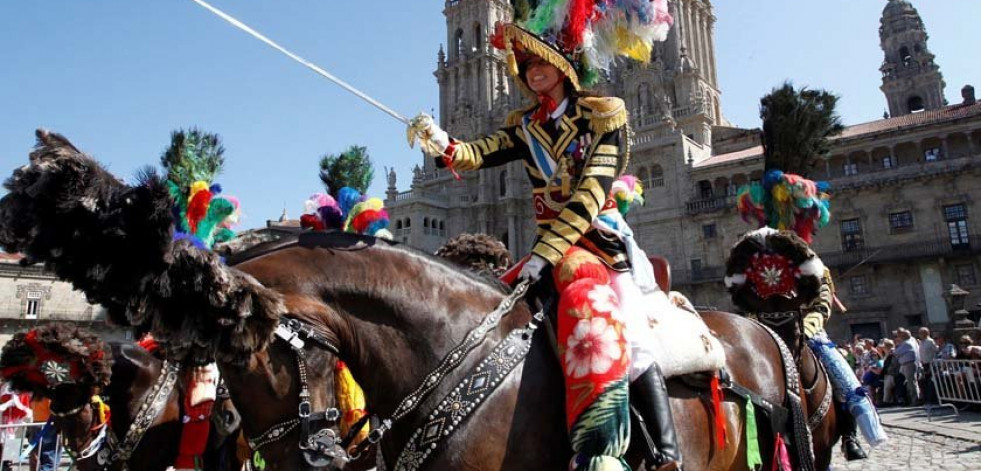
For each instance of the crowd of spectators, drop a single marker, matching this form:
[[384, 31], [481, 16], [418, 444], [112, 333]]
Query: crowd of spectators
[[897, 371]]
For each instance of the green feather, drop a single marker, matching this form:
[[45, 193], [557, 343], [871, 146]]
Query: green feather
[[218, 210], [224, 235]]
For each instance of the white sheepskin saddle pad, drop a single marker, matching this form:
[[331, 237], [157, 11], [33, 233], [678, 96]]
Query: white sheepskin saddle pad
[[660, 331]]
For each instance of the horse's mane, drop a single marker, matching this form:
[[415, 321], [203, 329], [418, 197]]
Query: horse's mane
[[347, 241], [23, 358]]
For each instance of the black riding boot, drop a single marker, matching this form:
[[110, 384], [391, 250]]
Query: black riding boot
[[849, 436], [649, 397]]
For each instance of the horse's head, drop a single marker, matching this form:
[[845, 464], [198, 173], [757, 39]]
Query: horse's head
[[71, 367], [104, 236], [772, 271]]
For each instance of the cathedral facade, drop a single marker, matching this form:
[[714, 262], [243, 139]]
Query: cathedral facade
[[905, 186]]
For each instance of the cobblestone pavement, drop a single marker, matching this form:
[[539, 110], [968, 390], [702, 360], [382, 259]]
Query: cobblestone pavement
[[915, 443], [910, 450]]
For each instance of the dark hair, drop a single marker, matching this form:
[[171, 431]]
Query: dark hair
[[480, 253]]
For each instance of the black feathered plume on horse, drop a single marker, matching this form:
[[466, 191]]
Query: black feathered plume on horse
[[395, 316]]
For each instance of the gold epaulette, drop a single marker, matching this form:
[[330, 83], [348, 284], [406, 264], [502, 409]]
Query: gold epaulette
[[608, 113], [514, 117]]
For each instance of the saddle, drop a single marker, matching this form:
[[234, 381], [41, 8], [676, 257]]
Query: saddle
[[677, 339]]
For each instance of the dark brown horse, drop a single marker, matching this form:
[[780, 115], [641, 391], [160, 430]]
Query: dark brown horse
[[784, 315], [132, 381], [392, 314]]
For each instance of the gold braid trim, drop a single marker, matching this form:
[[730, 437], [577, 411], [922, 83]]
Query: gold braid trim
[[608, 113], [514, 118], [533, 45]]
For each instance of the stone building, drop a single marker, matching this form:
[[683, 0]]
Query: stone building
[[903, 225], [30, 296]]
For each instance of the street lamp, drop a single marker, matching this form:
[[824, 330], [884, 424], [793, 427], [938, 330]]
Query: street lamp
[[962, 320]]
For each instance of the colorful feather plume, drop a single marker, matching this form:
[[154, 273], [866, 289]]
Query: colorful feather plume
[[350, 212], [627, 191], [591, 34], [202, 214], [786, 201]]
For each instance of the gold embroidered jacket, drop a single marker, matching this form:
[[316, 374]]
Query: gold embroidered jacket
[[572, 161]]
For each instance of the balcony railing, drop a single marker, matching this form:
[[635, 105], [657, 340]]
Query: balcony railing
[[901, 252], [708, 205]]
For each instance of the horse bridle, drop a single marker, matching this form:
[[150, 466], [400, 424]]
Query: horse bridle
[[106, 447], [327, 444], [318, 447]]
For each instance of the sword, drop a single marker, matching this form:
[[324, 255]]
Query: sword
[[310, 65]]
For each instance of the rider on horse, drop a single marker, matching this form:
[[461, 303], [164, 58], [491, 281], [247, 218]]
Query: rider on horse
[[574, 147], [774, 267]]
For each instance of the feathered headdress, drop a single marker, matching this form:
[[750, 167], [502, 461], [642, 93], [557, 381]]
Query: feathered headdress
[[582, 37], [786, 201], [201, 213], [626, 192], [350, 212]]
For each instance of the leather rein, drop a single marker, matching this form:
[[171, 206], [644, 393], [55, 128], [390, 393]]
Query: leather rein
[[324, 445], [106, 447]]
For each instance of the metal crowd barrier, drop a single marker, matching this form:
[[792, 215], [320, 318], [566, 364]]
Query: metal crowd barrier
[[956, 382], [14, 441]]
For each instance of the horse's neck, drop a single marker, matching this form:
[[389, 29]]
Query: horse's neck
[[400, 330], [134, 372]]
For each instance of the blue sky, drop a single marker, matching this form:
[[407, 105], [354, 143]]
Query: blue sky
[[116, 76]]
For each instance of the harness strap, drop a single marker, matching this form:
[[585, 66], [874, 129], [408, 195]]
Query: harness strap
[[468, 395]]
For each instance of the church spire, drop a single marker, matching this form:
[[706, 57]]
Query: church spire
[[911, 79]]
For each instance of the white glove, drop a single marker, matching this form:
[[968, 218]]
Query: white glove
[[532, 269], [432, 139]]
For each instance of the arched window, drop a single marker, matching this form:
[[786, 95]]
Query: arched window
[[398, 225], [657, 176], [478, 37], [408, 222], [644, 98], [904, 55], [704, 189], [503, 183], [645, 178], [915, 104], [458, 43], [442, 228], [425, 226]]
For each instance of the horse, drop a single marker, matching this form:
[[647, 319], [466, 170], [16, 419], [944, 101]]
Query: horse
[[143, 427], [784, 315], [392, 314]]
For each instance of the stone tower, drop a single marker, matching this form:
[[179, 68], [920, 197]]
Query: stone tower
[[911, 80]]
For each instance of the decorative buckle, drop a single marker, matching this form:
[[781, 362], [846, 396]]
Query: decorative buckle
[[332, 415], [305, 409]]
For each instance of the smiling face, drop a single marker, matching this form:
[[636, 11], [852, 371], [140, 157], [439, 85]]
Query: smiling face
[[542, 77]]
